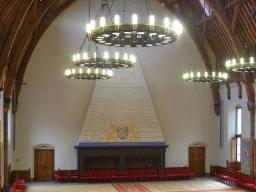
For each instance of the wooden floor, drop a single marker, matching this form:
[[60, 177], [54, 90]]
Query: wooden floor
[[194, 185]]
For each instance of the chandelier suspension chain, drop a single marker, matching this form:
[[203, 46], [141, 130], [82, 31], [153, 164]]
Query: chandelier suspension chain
[[147, 6], [124, 10], [150, 6]]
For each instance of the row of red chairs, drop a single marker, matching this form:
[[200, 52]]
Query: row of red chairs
[[111, 174], [18, 185], [237, 179]]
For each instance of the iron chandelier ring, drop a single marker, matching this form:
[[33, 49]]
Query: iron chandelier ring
[[88, 76], [110, 63], [133, 35]]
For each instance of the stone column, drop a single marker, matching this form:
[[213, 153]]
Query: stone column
[[7, 102]]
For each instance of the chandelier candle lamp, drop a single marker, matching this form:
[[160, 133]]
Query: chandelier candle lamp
[[132, 34], [244, 65], [105, 62], [206, 78], [89, 74]]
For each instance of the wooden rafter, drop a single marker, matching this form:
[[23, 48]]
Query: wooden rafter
[[219, 10], [47, 20], [192, 34], [234, 20], [19, 50], [11, 37]]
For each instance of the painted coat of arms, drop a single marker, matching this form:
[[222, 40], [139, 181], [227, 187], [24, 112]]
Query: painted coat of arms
[[122, 132]]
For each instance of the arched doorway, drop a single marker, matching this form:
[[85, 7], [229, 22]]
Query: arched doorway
[[197, 159], [43, 163]]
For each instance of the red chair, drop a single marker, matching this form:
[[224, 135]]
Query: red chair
[[101, 175], [180, 173], [57, 175], [162, 174], [154, 174], [143, 174], [63, 175], [84, 175], [74, 175], [113, 174], [123, 174], [191, 172], [107, 174], [91, 175], [131, 174]]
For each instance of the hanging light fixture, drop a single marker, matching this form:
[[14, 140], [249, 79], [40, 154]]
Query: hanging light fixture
[[91, 66], [199, 77], [205, 78], [89, 74], [105, 62], [132, 34], [246, 64]]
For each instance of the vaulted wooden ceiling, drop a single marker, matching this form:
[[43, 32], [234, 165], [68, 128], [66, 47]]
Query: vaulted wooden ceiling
[[223, 32]]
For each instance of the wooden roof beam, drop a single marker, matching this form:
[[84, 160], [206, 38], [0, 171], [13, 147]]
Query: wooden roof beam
[[12, 35], [29, 30], [47, 20], [234, 20], [219, 10]]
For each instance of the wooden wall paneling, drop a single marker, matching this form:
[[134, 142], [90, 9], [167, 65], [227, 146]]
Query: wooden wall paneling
[[23, 174], [214, 169]]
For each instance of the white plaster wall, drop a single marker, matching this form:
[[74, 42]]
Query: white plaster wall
[[185, 110], [227, 119], [52, 108]]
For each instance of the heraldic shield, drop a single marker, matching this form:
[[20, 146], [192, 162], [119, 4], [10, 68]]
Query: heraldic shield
[[122, 132]]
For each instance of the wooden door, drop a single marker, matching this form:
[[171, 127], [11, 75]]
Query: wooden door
[[197, 160], [43, 164]]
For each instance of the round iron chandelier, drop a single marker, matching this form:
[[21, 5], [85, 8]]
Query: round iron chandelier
[[105, 62], [89, 74], [198, 77], [245, 64], [206, 78], [131, 34]]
